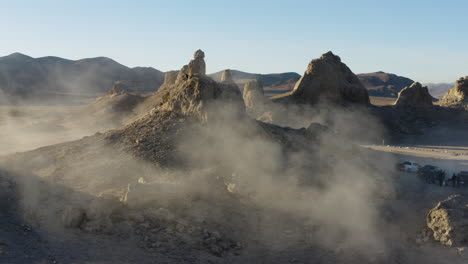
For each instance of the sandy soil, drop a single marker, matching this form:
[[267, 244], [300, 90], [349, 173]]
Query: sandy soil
[[381, 101]]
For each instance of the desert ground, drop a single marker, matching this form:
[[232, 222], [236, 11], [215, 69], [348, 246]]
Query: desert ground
[[202, 171]]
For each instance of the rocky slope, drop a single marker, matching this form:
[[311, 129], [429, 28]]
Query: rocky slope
[[414, 95], [24, 76], [384, 84], [327, 79]]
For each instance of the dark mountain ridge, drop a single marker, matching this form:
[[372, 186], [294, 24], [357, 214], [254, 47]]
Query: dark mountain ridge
[[384, 84]]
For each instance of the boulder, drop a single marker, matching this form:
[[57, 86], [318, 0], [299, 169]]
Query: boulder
[[449, 221], [458, 95], [328, 80], [414, 95]]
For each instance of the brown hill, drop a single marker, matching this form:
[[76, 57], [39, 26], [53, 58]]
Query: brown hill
[[28, 77], [383, 84]]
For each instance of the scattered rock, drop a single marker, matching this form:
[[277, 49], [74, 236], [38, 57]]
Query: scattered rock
[[414, 95]]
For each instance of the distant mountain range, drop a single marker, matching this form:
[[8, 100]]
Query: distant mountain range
[[24, 76], [273, 83], [384, 84], [377, 83], [438, 90]]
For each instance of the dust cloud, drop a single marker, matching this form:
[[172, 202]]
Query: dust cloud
[[322, 192]]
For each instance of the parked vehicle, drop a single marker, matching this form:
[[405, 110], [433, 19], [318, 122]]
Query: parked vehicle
[[462, 178], [431, 174], [408, 166]]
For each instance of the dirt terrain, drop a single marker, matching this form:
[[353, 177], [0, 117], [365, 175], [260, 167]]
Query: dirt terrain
[[198, 179]]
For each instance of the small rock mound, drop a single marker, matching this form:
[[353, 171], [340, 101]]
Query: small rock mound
[[253, 94], [414, 95], [328, 79], [458, 95], [449, 221]]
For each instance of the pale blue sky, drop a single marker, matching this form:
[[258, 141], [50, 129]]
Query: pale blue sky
[[424, 40]]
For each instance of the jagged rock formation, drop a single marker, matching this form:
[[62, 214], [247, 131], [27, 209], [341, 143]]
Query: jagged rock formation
[[458, 95], [197, 65], [329, 80], [191, 97], [170, 77], [226, 77], [449, 221], [188, 120], [253, 94], [383, 84], [150, 102], [414, 95]]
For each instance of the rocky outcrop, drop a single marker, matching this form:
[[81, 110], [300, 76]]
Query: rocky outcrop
[[329, 80], [226, 77], [458, 95], [449, 221], [414, 95], [253, 94], [193, 90], [197, 65], [193, 100], [170, 77]]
